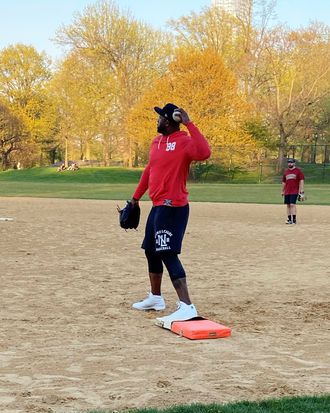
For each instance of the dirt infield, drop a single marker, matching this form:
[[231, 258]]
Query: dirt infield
[[70, 341]]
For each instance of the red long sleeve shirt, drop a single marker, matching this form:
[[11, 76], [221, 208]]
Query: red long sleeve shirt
[[169, 160]]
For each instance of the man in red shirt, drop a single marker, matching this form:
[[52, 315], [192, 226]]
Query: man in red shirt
[[292, 186], [165, 176]]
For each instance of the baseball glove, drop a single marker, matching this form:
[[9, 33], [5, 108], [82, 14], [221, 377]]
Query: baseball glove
[[301, 197], [129, 217]]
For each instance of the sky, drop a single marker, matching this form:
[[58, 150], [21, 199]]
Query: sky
[[35, 22]]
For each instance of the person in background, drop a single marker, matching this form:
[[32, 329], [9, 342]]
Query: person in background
[[292, 186], [61, 168]]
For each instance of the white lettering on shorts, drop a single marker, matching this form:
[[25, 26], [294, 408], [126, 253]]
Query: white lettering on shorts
[[170, 146], [163, 239]]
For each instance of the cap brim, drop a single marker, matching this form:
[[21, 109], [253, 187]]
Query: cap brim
[[158, 110]]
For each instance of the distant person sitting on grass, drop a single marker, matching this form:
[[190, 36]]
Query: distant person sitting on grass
[[73, 167], [61, 168]]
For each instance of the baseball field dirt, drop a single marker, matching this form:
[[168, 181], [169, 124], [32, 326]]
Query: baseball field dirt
[[70, 341]]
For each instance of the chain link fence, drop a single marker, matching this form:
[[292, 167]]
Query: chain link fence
[[263, 166]]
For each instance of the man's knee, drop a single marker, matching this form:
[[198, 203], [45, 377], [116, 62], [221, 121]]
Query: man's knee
[[155, 264], [173, 265]]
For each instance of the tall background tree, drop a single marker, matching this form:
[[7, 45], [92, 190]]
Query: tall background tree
[[84, 94], [283, 73], [129, 54], [200, 82], [11, 135], [298, 67], [24, 75]]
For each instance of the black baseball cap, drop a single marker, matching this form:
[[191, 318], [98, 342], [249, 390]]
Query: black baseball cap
[[166, 111], [291, 160]]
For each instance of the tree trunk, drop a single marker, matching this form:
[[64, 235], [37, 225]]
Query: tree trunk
[[305, 154], [130, 153], [88, 151], [66, 163], [136, 155], [281, 151], [4, 161]]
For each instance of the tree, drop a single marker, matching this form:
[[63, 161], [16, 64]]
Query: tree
[[298, 64], [11, 134], [130, 53], [24, 74], [84, 96], [314, 133], [199, 81], [239, 40]]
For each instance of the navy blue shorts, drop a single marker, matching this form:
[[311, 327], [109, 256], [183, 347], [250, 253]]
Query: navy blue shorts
[[165, 228], [290, 199]]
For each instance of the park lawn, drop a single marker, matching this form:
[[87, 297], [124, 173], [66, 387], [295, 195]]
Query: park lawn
[[303, 404], [119, 184], [82, 176], [254, 193]]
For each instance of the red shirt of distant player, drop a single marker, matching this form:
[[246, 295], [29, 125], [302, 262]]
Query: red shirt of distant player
[[291, 178]]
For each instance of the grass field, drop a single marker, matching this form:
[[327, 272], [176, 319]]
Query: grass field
[[119, 184], [284, 405]]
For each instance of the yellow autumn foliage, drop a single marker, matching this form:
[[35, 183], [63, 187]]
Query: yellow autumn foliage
[[199, 82]]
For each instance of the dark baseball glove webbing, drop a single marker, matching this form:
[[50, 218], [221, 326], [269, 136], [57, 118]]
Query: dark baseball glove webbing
[[129, 217]]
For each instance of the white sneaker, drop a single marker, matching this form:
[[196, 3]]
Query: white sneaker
[[184, 312], [152, 302]]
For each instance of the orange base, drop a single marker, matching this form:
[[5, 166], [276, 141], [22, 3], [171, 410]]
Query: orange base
[[200, 328]]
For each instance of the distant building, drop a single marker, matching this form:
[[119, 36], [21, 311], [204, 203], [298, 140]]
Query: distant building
[[238, 8]]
